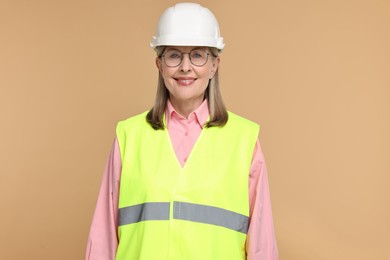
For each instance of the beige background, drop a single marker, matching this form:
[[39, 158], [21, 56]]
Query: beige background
[[314, 74]]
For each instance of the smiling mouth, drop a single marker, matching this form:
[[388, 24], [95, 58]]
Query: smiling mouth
[[185, 81]]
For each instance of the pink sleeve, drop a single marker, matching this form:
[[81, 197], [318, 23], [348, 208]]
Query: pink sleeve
[[261, 242], [103, 237]]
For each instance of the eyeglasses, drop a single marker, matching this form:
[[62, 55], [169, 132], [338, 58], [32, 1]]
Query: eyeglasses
[[174, 58]]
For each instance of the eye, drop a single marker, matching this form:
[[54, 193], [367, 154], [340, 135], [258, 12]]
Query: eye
[[198, 54], [173, 55]]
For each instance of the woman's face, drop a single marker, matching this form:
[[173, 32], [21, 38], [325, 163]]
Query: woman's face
[[187, 83]]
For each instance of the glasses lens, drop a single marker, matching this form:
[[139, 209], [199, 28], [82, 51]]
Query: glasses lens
[[172, 58], [198, 57]]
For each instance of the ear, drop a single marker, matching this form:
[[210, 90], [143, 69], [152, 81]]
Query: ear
[[216, 62], [158, 64], [215, 66]]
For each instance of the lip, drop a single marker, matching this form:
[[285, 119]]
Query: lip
[[185, 81]]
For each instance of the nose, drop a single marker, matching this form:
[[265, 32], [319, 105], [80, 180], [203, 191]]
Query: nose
[[185, 65]]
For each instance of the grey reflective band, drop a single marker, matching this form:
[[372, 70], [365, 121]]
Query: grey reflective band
[[145, 211], [210, 215], [184, 211]]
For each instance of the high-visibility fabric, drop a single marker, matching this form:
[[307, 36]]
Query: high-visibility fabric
[[196, 212]]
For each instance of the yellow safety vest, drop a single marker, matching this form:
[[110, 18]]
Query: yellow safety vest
[[198, 212]]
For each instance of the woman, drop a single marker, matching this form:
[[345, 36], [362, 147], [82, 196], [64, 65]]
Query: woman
[[187, 179]]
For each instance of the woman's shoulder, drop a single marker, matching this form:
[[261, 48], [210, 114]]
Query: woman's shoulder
[[237, 119], [133, 120]]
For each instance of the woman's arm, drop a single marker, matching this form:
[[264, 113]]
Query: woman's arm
[[261, 242], [103, 236]]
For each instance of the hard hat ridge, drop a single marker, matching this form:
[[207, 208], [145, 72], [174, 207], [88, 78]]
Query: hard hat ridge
[[188, 24]]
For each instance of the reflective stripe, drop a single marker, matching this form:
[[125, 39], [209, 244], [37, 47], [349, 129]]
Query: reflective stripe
[[184, 211], [210, 215], [142, 212]]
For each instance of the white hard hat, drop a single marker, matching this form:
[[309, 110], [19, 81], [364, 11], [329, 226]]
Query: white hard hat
[[188, 24]]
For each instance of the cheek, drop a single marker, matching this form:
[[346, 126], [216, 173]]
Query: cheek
[[167, 72], [167, 77]]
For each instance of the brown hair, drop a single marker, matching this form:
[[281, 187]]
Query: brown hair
[[217, 109]]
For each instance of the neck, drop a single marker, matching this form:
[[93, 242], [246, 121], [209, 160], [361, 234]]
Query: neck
[[187, 107]]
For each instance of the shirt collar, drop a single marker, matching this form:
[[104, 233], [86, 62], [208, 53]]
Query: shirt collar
[[201, 113]]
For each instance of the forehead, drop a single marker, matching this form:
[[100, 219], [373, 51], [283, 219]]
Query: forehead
[[185, 48]]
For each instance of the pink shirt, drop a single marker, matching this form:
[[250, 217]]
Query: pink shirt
[[261, 242]]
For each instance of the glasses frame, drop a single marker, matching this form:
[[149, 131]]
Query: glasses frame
[[189, 56]]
